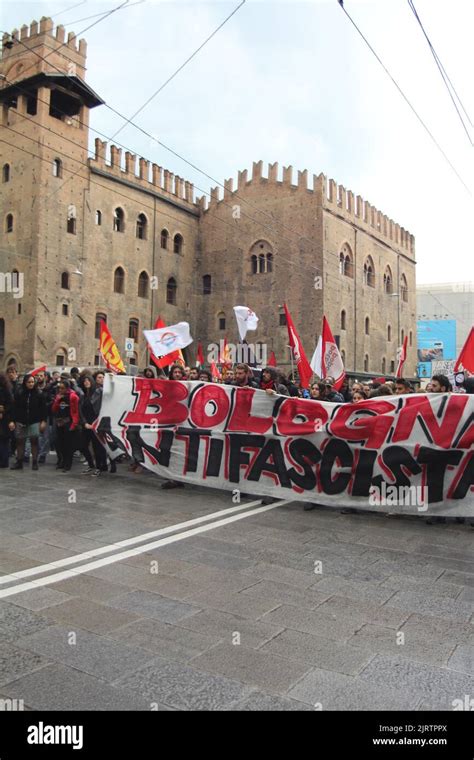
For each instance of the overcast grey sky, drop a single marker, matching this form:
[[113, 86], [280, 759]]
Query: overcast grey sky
[[293, 82]]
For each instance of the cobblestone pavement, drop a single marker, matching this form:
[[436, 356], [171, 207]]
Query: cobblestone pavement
[[284, 609]]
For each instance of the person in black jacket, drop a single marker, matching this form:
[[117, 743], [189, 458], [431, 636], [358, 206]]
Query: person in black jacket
[[6, 419], [30, 416], [89, 408]]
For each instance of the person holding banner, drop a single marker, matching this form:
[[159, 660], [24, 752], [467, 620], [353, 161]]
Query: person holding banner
[[65, 410], [440, 384]]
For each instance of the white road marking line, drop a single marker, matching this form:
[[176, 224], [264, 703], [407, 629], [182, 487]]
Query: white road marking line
[[56, 577], [38, 569]]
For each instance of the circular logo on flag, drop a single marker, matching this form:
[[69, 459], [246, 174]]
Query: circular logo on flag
[[168, 339]]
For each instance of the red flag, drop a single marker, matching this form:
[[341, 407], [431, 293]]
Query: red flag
[[304, 370], [108, 349], [38, 369], [466, 357], [402, 357], [215, 372], [272, 362], [327, 360], [200, 356], [164, 361]]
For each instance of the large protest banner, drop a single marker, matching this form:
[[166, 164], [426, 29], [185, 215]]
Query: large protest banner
[[414, 451]]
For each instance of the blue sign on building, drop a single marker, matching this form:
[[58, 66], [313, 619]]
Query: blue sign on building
[[436, 340]]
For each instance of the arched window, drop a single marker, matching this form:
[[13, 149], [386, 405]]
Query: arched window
[[410, 339], [389, 333], [404, 288], [119, 220], [65, 281], [98, 217], [281, 317], [164, 238], [71, 225], [388, 281], [6, 173], [221, 321], [346, 266], [171, 288], [392, 367], [57, 167], [119, 280], [206, 284], [178, 243], [384, 365], [143, 283], [9, 223], [133, 329], [61, 358], [366, 363], [2, 336], [343, 356], [367, 326], [141, 227], [99, 317], [369, 272], [261, 257], [402, 337], [343, 320]]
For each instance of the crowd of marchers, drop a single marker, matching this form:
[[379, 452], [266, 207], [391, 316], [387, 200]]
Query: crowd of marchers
[[42, 412]]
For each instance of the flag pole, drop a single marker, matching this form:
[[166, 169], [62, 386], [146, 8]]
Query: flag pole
[[292, 364]]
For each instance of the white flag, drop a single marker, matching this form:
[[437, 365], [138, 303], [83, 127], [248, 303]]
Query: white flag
[[165, 340], [246, 320], [316, 362]]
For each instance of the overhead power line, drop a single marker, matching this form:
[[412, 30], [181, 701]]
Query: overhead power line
[[448, 84], [175, 73], [405, 98]]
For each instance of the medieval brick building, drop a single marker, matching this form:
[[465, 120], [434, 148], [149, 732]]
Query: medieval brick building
[[123, 239]]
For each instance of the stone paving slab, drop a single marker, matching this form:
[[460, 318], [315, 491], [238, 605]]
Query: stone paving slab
[[146, 604], [462, 659], [279, 593], [168, 641], [256, 667], [56, 687], [183, 687], [15, 662], [418, 680], [314, 622], [97, 618], [378, 639], [334, 691], [318, 652], [252, 633], [96, 655]]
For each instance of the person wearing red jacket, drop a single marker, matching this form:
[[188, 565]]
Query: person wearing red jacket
[[65, 410]]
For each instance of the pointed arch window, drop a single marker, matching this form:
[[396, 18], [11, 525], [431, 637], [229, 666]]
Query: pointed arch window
[[119, 220], [366, 363], [171, 289], [9, 223], [388, 281], [343, 319], [119, 280], [6, 173], [164, 239], [369, 272], [143, 285], [221, 321], [206, 285], [99, 317], [141, 231], [133, 326], [404, 288], [98, 218], [65, 283], [178, 243], [346, 262], [367, 326]]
